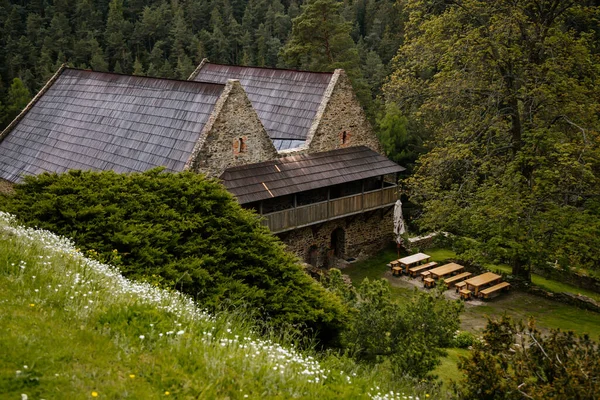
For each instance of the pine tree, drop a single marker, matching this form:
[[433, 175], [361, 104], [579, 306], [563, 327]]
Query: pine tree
[[17, 98], [117, 29], [138, 68], [320, 39]]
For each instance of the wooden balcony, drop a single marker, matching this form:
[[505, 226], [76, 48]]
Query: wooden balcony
[[316, 213]]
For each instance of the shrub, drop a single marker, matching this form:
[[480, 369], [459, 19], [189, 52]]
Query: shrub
[[184, 231], [463, 340], [409, 335], [514, 361]]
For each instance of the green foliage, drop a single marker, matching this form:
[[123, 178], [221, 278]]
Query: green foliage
[[516, 362], [65, 337], [409, 335], [18, 97], [463, 340], [400, 143], [321, 41], [506, 93], [190, 232]]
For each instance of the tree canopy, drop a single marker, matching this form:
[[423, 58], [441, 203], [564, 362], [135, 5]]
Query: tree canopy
[[507, 93], [517, 361]]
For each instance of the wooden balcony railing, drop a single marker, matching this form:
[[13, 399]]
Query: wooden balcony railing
[[299, 217]]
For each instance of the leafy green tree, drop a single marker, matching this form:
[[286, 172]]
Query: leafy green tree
[[187, 232], [507, 94], [400, 141], [514, 361]]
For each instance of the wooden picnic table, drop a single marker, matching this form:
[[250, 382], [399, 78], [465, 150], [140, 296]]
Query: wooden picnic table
[[481, 280], [446, 269], [409, 261], [415, 270]]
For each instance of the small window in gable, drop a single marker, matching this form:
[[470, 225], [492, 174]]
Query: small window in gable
[[239, 145], [344, 137]]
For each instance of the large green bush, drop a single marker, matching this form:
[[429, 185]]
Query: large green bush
[[185, 231], [410, 335]]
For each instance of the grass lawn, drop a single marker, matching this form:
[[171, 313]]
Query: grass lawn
[[548, 284], [448, 371], [547, 313], [375, 267]]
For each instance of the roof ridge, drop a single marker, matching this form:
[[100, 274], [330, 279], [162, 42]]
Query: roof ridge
[[144, 77], [270, 68]]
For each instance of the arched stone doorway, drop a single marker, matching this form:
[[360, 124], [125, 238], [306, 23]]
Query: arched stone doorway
[[338, 243]]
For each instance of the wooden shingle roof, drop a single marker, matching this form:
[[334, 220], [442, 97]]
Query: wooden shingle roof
[[103, 121], [298, 173], [286, 101]]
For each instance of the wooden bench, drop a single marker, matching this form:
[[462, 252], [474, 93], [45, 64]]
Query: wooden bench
[[496, 288], [425, 274], [460, 285], [465, 294], [457, 278], [429, 282], [395, 263], [396, 271], [415, 270]]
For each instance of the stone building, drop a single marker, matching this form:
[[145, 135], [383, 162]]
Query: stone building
[[102, 121], [327, 206], [302, 111], [331, 193], [295, 146]]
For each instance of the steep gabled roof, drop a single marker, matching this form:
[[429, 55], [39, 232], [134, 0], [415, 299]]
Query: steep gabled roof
[[298, 173], [104, 121], [286, 101]]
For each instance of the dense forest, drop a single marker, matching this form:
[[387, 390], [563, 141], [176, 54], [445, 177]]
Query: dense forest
[[491, 105], [169, 38]]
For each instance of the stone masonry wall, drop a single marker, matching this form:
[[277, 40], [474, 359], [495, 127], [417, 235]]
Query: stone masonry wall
[[365, 234], [5, 186], [342, 123], [235, 135]]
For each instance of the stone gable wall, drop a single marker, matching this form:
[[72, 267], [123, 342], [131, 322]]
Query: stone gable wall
[[342, 121], [234, 135], [365, 235]]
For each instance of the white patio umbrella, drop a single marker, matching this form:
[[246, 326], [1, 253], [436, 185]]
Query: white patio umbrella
[[399, 226]]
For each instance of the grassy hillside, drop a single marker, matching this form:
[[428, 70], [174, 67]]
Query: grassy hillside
[[74, 328]]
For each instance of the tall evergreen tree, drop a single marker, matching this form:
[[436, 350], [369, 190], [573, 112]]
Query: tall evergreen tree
[[17, 98], [117, 30], [320, 41]]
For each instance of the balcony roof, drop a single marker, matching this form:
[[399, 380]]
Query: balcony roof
[[294, 174]]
